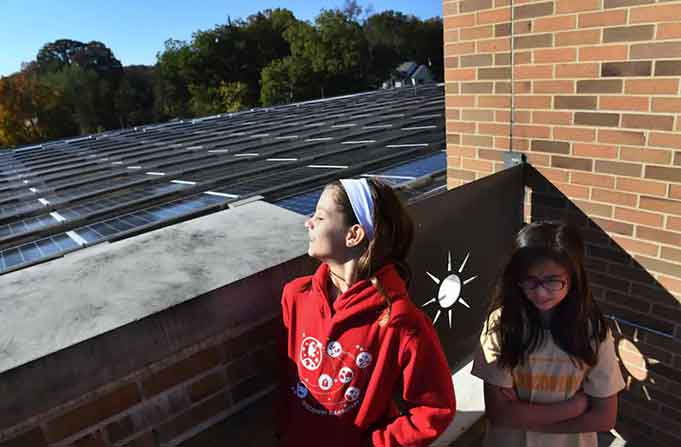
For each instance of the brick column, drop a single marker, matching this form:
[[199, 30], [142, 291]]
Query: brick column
[[594, 90]]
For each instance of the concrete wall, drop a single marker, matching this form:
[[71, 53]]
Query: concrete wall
[[150, 340], [590, 91]]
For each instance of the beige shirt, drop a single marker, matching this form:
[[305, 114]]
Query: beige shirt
[[548, 376]]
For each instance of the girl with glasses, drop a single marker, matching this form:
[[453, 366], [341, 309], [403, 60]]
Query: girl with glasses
[[546, 354], [355, 342]]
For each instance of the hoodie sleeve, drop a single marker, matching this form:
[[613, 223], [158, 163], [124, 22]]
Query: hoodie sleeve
[[427, 391]]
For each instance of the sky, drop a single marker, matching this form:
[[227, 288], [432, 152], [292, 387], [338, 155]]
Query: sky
[[135, 30]]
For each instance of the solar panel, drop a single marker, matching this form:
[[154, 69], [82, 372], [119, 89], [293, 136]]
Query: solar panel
[[106, 186], [302, 204]]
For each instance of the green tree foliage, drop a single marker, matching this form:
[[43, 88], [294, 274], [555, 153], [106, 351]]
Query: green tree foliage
[[268, 58]]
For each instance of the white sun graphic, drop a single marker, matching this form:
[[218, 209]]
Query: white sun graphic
[[449, 292]]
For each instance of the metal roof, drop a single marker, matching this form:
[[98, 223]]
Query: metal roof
[[65, 195]]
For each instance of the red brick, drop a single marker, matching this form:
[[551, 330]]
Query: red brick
[[555, 55], [614, 226], [533, 71], [450, 9], [614, 197], [494, 16], [181, 371], [460, 74], [668, 31], [639, 217], [457, 49], [621, 137], [603, 53], [657, 13], [459, 174], [673, 284], [477, 115], [460, 127], [533, 102], [31, 438], [674, 223], [451, 36], [606, 18], [675, 191], [494, 45], [477, 165], [555, 175], [593, 209], [637, 103], [577, 71], [563, 6], [531, 131], [574, 134], [554, 87], [636, 246], [519, 144], [477, 140], [671, 140], [95, 439], [651, 86], [594, 150], [672, 105], [479, 32], [569, 38], [640, 121], [645, 155], [92, 412], [460, 21], [459, 101], [641, 186], [573, 191], [545, 117], [581, 164], [474, 5], [554, 23], [619, 168], [665, 237], [490, 154], [661, 205], [498, 101], [657, 50]]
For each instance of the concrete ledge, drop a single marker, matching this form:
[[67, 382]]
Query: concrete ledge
[[96, 315], [470, 409]]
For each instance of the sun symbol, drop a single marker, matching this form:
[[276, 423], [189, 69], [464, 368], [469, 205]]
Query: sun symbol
[[449, 292]]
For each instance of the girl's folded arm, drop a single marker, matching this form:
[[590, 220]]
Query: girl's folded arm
[[600, 416], [503, 409]]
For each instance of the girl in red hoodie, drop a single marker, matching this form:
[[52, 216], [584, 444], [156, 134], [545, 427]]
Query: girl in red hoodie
[[356, 344]]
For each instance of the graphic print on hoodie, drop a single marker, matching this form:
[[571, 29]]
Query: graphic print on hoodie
[[333, 375]]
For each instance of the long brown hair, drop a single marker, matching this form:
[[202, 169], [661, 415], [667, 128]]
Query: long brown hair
[[393, 235], [577, 324]]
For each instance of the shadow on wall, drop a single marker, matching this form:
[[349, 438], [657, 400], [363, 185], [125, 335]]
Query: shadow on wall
[[643, 313]]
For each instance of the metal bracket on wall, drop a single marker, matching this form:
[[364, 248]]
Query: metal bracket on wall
[[512, 158]]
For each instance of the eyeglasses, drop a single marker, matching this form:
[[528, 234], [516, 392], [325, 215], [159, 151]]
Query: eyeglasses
[[551, 285]]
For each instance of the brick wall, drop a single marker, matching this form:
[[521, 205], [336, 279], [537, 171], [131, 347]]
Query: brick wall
[[166, 402], [590, 91]]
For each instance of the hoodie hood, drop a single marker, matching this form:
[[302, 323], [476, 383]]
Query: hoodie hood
[[362, 299]]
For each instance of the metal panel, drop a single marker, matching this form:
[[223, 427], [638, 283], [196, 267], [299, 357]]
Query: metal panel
[[461, 238]]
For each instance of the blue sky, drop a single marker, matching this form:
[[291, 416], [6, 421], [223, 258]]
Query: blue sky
[[135, 30]]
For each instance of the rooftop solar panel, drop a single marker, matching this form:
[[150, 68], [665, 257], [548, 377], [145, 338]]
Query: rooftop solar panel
[[59, 196]]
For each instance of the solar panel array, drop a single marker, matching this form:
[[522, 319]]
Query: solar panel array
[[64, 195]]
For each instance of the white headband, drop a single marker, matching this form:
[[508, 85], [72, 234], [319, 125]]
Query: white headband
[[359, 193]]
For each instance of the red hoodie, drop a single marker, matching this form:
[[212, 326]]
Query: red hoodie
[[344, 370]]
